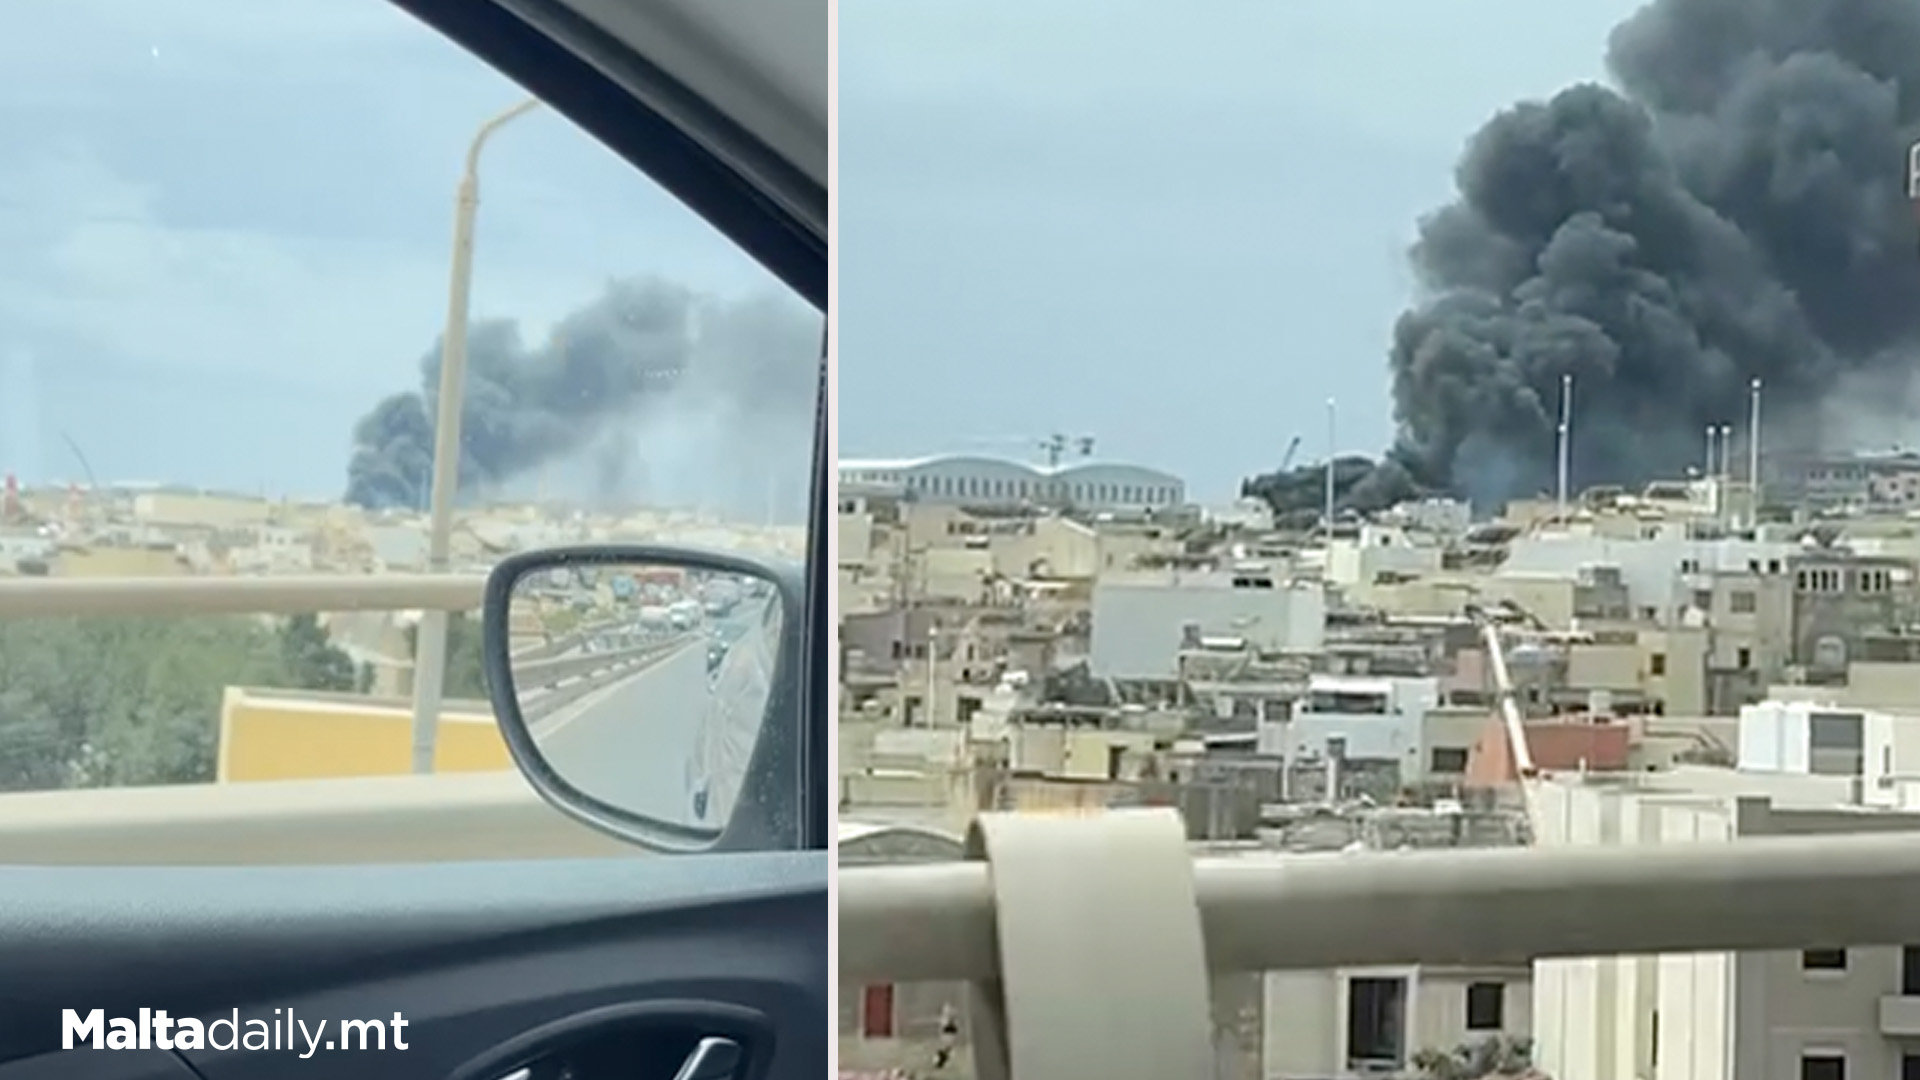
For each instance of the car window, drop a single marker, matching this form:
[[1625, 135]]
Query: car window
[[229, 256], [1379, 427]]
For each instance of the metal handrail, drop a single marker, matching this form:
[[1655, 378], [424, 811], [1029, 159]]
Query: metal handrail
[[568, 642], [935, 922], [382, 819], [33, 597]]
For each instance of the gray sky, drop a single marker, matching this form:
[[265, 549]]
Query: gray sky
[[1176, 227], [224, 229]]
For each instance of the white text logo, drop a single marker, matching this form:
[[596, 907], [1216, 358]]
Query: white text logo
[[153, 1029]]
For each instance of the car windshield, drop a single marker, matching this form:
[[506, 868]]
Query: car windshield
[[244, 245], [1393, 427]]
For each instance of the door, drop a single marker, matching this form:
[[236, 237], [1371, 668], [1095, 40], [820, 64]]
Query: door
[[240, 218]]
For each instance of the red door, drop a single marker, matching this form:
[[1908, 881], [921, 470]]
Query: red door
[[876, 1012]]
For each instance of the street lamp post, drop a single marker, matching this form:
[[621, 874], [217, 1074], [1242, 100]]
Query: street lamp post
[[430, 647]]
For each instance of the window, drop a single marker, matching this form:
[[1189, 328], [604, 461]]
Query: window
[[1376, 1022], [1835, 731], [1742, 602], [1448, 759], [235, 221], [1743, 658], [1657, 664], [1486, 1006], [1823, 960], [1910, 970], [1823, 1065]]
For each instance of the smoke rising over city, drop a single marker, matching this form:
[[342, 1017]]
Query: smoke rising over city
[[1734, 209], [652, 394]]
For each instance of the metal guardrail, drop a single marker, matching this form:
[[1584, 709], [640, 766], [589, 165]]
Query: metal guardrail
[[549, 672], [568, 642], [546, 702], [1499, 906]]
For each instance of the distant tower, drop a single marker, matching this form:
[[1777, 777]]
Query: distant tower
[[12, 507]]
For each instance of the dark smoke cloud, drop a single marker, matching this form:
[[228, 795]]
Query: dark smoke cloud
[[1734, 209], [652, 393]]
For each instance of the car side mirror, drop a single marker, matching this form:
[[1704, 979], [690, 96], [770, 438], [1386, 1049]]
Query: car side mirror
[[653, 692]]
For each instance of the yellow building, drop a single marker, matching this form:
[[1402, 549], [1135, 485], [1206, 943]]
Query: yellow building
[[289, 735], [141, 560]]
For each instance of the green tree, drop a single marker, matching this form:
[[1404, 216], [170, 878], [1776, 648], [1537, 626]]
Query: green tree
[[313, 661], [111, 702], [466, 670]]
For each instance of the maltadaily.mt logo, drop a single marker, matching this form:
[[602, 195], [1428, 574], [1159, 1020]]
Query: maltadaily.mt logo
[[153, 1029]]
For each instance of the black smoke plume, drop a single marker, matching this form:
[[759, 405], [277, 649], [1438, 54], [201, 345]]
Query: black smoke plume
[[652, 393], [1734, 209]]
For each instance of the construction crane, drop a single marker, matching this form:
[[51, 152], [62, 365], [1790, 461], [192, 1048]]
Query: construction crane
[[1286, 460], [1055, 447]]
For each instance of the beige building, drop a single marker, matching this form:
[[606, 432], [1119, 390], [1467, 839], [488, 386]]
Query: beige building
[[1361, 1021], [1822, 1013]]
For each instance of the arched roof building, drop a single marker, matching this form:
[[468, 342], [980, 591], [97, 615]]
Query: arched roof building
[[977, 480]]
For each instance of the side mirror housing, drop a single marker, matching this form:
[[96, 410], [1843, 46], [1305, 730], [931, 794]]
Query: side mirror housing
[[654, 693]]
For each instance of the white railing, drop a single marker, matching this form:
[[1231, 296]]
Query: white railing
[[1017, 922], [529, 674], [384, 819], [1493, 906], [28, 597]]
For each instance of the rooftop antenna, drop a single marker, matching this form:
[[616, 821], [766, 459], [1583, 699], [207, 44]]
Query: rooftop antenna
[[1085, 443]]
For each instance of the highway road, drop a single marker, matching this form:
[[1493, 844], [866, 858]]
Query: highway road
[[643, 742]]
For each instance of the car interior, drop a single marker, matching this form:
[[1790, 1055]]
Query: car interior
[[712, 966]]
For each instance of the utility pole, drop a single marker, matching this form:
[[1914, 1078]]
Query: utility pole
[[1566, 440], [1753, 456], [1333, 429], [430, 642]]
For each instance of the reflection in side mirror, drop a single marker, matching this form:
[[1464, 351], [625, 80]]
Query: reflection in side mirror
[[633, 684]]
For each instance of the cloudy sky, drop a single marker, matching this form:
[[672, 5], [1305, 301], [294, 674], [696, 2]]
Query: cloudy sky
[[1176, 227], [224, 229]]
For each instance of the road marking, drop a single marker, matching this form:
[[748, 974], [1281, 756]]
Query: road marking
[[586, 704]]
